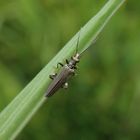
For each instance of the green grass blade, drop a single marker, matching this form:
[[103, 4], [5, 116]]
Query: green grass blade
[[17, 114]]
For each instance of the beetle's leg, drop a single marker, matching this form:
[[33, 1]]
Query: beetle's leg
[[52, 76], [73, 74], [65, 86], [59, 64], [75, 67], [67, 61]]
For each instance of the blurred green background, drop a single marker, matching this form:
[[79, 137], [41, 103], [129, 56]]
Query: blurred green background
[[102, 102]]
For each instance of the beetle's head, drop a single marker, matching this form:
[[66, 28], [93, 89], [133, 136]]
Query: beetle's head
[[76, 58]]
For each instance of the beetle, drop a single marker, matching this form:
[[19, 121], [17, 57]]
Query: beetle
[[68, 70], [60, 79]]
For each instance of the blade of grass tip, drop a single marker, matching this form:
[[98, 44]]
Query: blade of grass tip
[[17, 114]]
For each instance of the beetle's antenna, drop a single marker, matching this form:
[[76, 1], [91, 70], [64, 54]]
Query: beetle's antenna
[[94, 41], [78, 41]]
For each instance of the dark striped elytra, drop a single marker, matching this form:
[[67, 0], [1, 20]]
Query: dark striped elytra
[[60, 79]]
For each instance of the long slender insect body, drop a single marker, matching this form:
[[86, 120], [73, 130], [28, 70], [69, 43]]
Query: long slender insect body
[[60, 80], [67, 71]]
